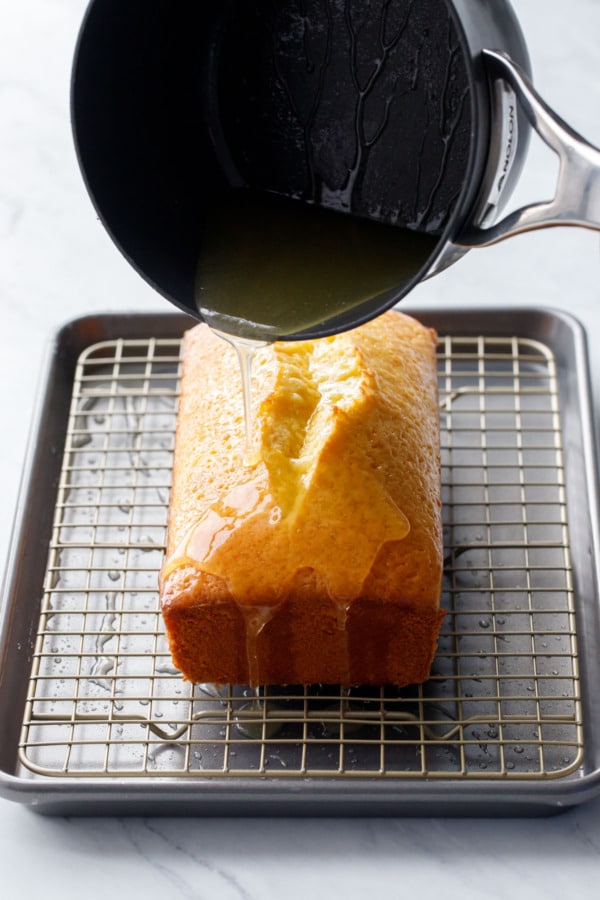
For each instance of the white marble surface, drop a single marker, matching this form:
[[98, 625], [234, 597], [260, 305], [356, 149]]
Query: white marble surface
[[56, 263]]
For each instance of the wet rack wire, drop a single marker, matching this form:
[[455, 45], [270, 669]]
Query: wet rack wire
[[503, 701]]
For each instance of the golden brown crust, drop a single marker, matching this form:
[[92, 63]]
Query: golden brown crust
[[331, 571]]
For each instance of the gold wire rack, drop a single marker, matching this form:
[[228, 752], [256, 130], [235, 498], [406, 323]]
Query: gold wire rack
[[503, 701]]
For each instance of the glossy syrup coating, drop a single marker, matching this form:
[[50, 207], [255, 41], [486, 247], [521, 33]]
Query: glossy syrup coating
[[321, 561]]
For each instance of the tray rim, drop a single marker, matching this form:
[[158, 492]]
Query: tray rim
[[323, 796]]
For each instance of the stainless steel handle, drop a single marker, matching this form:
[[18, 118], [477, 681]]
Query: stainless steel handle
[[577, 197]]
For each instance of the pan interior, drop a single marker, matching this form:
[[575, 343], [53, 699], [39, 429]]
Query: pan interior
[[362, 106]]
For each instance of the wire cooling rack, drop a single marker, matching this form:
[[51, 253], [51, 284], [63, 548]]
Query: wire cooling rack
[[503, 701]]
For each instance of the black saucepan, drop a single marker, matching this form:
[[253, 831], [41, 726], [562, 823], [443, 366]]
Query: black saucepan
[[413, 112]]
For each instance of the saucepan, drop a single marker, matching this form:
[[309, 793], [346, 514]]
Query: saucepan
[[413, 113]]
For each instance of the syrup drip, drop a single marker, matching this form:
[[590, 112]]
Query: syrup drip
[[255, 617], [245, 349], [342, 610]]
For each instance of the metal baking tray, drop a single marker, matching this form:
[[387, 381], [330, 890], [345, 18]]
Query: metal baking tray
[[96, 719]]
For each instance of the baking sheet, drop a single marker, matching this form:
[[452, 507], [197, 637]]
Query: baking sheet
[[96, 717]]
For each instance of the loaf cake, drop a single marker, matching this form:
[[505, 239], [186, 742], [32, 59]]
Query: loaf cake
[[320, 558]]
